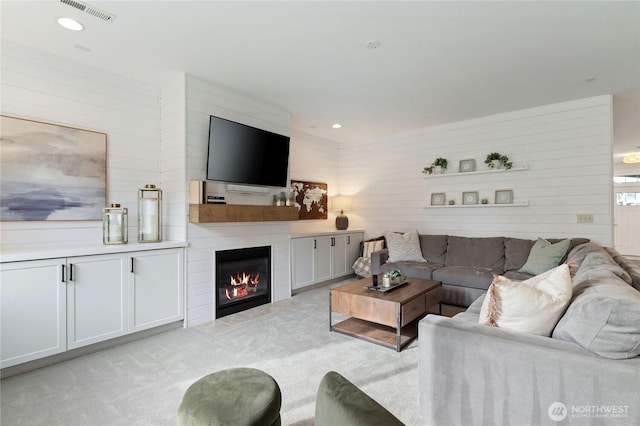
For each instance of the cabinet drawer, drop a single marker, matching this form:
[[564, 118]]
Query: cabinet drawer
[[413, 310]]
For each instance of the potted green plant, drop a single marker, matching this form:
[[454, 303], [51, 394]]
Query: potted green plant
[[394, 276], [437, 167], [496, 160]]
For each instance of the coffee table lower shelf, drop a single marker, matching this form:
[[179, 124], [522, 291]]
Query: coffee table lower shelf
[[378, 333]]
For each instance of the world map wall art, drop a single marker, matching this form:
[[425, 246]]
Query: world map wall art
[[51, 172], [311, 199]]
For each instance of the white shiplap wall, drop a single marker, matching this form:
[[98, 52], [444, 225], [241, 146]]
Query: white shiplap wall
[[566, 146], [40, 86], [202, 100], [313, 159]]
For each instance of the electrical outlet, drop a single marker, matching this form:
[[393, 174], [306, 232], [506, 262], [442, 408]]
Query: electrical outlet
[[584, 218]]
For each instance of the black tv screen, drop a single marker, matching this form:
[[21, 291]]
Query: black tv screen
[[243, 154]]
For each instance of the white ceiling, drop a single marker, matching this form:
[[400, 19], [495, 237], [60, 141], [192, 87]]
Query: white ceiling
[[438, 61]]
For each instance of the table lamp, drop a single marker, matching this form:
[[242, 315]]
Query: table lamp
[[342, 203]]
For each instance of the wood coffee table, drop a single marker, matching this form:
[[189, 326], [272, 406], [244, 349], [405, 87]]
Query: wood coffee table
[[388, 319]]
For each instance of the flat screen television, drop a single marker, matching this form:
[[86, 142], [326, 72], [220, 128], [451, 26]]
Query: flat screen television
[[243, 154]]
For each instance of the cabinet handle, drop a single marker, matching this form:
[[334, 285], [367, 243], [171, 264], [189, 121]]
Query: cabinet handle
[[315, 244], [333, 242], [348, 239], [132, 265], [71, 272], [63, 271]]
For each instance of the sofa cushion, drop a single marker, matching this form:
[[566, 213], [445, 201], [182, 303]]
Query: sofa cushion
[[630, 268], [516, 252], [422, 270], [434, 247], [545, 256], [533, 306], [481, 252], [404, 247], [466, 276], [604, 315]]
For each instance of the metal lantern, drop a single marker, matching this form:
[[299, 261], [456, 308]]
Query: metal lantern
[[149, 214], [114, 225]]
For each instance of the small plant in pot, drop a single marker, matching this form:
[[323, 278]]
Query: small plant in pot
[[437, 167], [495, 160], [394, 275]]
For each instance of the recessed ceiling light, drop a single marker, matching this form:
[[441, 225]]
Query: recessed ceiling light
[[337, 125], [70, 24]]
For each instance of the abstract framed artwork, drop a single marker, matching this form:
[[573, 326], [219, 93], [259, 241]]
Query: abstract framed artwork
[[311, 199], [51, 172]]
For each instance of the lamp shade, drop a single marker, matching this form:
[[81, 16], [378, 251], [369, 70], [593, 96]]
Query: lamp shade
[[341, 202]]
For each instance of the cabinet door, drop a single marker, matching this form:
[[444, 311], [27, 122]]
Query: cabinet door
[[302, 262], [323, 261], [32, 310], [353, 248], [155, 288], [96, 299], [339, 254]]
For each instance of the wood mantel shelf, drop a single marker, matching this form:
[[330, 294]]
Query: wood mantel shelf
[[210, 213]]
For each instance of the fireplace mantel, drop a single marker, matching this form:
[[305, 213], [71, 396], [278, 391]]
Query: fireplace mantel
[[210, 213]]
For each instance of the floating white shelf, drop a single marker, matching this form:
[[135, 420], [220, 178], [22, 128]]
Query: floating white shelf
[[454, 206], [478, 172]]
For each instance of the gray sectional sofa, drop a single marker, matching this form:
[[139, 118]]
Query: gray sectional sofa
[[464, 265], [586, 373]]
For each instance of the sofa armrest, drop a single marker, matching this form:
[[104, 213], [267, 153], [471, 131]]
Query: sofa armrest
[[471, 374], [378, 258]]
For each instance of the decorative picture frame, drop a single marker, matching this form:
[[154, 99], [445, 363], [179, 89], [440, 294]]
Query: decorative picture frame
[[470, 197], [311, 198], [438, 199], [467, 166], [504, 196], [51, 172]]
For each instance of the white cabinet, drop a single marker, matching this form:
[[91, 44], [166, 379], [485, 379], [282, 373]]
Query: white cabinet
[[32, 311], [318, 258], [54, 305], [96, 299], [155, 288]]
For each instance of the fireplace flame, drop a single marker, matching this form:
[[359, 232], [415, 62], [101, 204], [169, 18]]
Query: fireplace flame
[[241, 285]]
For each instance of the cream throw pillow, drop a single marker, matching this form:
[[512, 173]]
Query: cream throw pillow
[[404, 247], [371, 246], [533, 306]]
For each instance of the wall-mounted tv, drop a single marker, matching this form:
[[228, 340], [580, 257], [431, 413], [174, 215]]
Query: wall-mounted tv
[[243, 154]]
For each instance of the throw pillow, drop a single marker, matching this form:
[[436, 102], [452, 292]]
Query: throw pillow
[[532, 306], [371, 246], [404, 247], [544, 256]]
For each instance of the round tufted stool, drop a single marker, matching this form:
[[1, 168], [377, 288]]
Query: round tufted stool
[[237, 397]]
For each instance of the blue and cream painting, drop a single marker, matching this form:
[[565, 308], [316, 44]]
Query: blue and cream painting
[[50, 172]]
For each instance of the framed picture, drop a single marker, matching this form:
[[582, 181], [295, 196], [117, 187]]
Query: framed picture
[[470, 197], [311, 199], [467, 166], [438, 199], [51, 172], [504, 196]]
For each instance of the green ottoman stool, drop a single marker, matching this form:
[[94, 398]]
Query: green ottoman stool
[[235, 397]]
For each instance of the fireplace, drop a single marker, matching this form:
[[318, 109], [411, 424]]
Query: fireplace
[[243, 279]]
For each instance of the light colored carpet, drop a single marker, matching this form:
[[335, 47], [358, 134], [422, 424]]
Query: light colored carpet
[[141, 383]]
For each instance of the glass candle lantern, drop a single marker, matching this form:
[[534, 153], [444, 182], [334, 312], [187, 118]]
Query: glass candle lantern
[[114, 225], [149, 214]]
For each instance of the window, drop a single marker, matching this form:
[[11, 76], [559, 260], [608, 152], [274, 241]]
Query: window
[[628, 198]]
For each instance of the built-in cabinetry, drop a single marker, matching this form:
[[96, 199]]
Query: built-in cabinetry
[[54, 305], [323, 256]]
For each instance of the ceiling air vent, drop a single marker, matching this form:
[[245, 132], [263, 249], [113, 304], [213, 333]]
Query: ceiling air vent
[[100, 14]]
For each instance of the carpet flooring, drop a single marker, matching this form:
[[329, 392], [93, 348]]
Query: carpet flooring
[[142, 382]]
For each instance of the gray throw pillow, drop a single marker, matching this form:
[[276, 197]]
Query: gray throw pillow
[[545, 256], [404, 247]]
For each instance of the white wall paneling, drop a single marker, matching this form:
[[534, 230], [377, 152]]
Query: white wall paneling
[[566, 146]]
